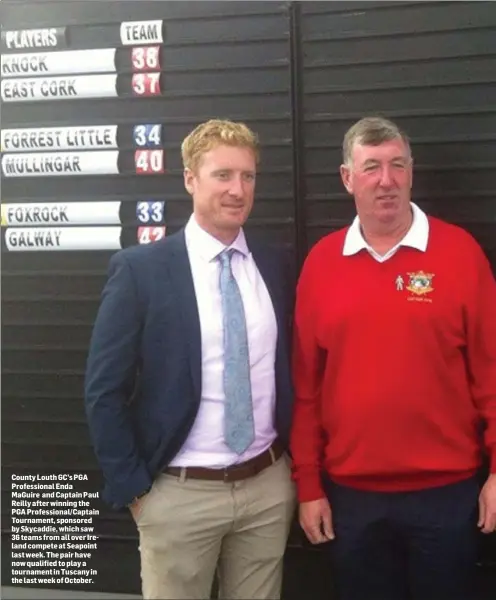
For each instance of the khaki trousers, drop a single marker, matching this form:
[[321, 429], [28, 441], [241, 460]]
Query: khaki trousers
[[189, 529]]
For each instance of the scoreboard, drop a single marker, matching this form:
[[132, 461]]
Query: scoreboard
[[63, 226], [104, 162], [35, 89], [103, 60], [84, 137], [39, 65], [77, 238], [132, 69], [53, 37], [59, 138], [58, 63], [144, 212], [147, 158], [139, 32], [60, 163], [130, 33]]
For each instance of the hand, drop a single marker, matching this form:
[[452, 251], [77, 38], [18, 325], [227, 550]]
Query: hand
[[136, 506], [316, 520], [487, 505]]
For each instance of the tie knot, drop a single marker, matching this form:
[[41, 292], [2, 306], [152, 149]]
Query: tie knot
[[225, 257]]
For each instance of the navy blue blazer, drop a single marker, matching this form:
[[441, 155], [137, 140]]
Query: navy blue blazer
[[143, 375]]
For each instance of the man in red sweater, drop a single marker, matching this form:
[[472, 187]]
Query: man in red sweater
[[395, 378]]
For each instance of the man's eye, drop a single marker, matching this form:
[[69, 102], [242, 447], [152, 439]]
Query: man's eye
[[249, 176], [223, 175], [370, 168]]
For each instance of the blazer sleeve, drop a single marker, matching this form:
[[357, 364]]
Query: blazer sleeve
[[110, 375]]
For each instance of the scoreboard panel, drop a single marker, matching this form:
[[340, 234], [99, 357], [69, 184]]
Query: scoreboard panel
[[141, 32], [127, 33], [83, 137], [57, 213], [68, 88], [58, 88], [58, 63], [96, 60], [51, 37], [149, 161], [82, 73], [59, 138], [146, 84], [33, 239], [101, 162], [39, 65], [145, 58], [35, 164], [70, 226], [147, 136], [142, 212], [150, 211]]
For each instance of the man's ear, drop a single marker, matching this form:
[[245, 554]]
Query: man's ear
[[346, 178], [188, 181]]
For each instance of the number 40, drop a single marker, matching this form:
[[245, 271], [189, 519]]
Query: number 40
[[149, 161]]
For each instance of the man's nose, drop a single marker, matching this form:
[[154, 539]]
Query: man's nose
[[236, 187], [386, 176]]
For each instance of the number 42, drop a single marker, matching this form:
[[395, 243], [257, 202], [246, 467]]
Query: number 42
[[146, 235]]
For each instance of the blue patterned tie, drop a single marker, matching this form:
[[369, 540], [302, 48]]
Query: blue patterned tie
[[239, 430]]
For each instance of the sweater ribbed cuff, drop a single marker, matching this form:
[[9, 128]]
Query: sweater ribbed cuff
[[309, 487]]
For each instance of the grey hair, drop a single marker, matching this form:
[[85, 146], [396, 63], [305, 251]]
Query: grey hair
[[372, 131]]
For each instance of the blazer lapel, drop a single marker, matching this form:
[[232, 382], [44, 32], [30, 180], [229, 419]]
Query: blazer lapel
[[181, 280]]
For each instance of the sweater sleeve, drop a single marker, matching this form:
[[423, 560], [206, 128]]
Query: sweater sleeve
[[480, 321], [307, 439]]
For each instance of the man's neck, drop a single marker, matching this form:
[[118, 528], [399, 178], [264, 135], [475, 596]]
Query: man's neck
[[384, 236], [225, 236]]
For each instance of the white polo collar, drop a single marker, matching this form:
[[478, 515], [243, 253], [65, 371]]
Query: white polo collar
[[417, 236]]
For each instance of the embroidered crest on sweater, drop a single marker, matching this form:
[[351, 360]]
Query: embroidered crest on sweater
[[420, 283]]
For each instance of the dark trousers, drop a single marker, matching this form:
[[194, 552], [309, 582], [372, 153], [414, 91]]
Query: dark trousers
[[419, 545]]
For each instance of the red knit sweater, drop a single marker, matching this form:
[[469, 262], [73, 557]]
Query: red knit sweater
[[391, 383]]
